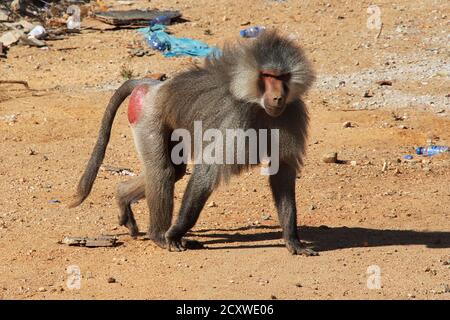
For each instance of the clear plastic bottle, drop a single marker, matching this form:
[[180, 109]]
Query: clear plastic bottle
[[431, 150], [252, 32], [155, 43], [159, 20]]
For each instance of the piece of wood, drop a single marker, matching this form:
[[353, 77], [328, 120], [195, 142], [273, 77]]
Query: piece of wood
[[101, 241], [134, 17], [67, 48], [94, 24], [15, 82]]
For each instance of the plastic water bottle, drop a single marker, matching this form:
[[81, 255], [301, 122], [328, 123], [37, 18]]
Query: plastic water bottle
[[73, 24], [156, 44], [431, 150], [159, 20], [252, 32]]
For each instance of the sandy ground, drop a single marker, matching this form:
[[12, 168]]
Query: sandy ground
[[357, 215]]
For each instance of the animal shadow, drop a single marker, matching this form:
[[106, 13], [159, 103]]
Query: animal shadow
[[325, 238]]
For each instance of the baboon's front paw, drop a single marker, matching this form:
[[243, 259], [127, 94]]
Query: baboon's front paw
[[178, 245], [175, 245], [296, 247]]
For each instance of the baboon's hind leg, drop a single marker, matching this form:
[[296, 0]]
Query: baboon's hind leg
[[134, 190], [127, 193]]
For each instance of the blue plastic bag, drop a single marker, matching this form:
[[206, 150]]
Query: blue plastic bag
[[172, 46]]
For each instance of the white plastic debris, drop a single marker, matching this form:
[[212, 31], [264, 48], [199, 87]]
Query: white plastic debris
[[37, 32]]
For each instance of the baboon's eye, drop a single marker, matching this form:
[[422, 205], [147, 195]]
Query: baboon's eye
[[284, 77]]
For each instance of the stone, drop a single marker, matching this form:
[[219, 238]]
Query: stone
[[11, 37], [330, 157]]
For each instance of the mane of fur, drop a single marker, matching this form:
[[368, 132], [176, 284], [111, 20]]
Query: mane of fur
[[240, 65], [224, 94]]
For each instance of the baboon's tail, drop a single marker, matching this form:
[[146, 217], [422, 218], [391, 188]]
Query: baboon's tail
[[90, 173]]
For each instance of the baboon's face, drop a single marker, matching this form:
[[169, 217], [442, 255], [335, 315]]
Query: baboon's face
[[274, 86]]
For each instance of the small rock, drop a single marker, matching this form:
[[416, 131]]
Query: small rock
[[353, 163], [111, 280], [312, 207], [442, 74], [298, 285], [212, 204], [11, 37], [347, 124], [330, 157], [11, 118], [384, 83], [3, 16], [42, 289], [368, 94], [273, 297], [446, 288], [385, 166], [398, 117]]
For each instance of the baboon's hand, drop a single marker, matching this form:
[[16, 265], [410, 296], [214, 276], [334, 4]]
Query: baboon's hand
[[296, 247], [175, 245], [180, 244]]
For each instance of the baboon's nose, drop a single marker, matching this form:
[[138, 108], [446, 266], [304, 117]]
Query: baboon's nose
[[278, 101]]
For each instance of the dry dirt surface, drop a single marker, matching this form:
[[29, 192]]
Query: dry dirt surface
[[374, 213]]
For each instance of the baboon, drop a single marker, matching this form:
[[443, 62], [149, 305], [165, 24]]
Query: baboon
[[255, 84]]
